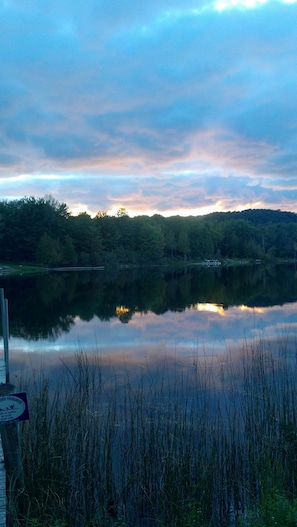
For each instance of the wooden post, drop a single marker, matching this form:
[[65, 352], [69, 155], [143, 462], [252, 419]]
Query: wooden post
[[2, 463], [5, 332], [11, 470], [3, 379]]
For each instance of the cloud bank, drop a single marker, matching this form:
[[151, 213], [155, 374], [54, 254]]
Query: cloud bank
[[172, 107]]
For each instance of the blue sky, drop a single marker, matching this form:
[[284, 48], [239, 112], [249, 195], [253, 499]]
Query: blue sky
[[171, 106]]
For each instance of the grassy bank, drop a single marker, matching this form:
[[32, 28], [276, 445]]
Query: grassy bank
[[6, 269], [208, 444]]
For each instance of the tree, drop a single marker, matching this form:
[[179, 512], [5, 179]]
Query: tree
[[109, 231], [101, 214], [150, 241], [201, 245], [48, 251], [87, 239], [127, 241], [170, 243], [69, 253], [183, 242], [122, 212]]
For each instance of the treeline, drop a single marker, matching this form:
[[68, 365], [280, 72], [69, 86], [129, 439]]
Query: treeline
[[42, 230]]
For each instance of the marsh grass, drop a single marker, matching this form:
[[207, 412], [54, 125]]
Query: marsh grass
[[199, 443]]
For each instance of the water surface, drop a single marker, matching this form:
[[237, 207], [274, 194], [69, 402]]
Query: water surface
[[143, 315]]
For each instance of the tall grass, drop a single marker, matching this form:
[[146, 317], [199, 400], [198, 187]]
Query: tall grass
[[206, 443]]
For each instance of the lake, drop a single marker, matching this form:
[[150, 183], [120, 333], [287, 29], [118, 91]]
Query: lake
[[185, 377], [144, 315]]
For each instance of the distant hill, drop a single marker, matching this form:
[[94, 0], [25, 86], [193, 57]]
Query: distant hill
[[256, 216]]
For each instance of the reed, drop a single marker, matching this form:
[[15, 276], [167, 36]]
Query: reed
[[198, 443]]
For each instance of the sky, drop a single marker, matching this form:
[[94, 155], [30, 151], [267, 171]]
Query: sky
[[161, 106]]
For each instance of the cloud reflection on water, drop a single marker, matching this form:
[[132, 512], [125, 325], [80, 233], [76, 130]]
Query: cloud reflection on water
[[206, 330]]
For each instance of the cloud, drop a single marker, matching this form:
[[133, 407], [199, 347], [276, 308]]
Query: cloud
[[149, 95]]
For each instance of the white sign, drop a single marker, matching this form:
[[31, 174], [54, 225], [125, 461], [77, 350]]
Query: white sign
[[13, 408]]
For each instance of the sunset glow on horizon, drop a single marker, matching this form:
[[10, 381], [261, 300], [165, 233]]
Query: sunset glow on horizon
[[172, 108]]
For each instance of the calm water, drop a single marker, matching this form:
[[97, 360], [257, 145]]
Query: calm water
[[147, 314]]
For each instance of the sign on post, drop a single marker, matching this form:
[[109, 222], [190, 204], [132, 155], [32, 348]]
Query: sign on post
[[14, 408]]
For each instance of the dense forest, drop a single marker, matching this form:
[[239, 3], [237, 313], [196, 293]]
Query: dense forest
[[42, 230]]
